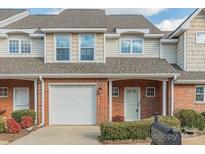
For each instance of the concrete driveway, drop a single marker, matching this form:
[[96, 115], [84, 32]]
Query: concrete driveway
[[67, 135]]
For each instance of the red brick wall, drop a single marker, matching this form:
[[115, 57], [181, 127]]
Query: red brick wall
[[149, 105], [7, 102], [102, 99], [184, 98]]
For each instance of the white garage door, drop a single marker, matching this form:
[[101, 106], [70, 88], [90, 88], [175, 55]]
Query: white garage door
[[72, 104]]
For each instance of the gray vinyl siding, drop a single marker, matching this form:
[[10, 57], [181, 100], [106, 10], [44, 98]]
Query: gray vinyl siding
[[37, 46], [169, 52], [180, 52]]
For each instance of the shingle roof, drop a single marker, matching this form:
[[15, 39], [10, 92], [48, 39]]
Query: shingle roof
[[85, 18], [112, 66], [70, 18], [192, 76], [6, 13], [130, 22]]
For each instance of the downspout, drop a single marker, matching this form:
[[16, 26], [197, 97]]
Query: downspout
[[172, 95], [42, 102]]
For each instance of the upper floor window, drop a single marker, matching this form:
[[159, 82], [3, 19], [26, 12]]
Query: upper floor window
[[131, 46], [200, 37], [62, 47], [87, 47], [19, 46]]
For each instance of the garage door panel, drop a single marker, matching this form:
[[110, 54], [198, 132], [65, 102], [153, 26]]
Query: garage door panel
[[72, 104]]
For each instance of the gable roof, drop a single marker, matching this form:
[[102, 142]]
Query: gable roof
[[184, 24], [85, 18], [6, 13]]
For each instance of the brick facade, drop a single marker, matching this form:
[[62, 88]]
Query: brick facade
[[6, 103], [149, 105], [184, 98], [102, 98]]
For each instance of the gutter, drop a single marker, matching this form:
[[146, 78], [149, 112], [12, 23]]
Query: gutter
[[42, 102]]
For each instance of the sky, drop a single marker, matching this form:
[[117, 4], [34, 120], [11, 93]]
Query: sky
[[166, 19]]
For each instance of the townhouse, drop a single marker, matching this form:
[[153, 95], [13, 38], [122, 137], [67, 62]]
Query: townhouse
[[83, 66]]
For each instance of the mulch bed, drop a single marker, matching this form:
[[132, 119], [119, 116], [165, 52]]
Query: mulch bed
[[136, 142], [12, 137]]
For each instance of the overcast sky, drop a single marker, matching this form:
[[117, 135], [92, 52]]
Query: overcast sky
[[165, 19]]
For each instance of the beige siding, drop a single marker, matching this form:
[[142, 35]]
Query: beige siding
[[195, 52], [180, 52], [50, 48], [169, 52], [151, 48], [37, 46]]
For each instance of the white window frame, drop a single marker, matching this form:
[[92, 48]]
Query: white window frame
[[131, 48], [154, 91], [79, 48], [200, 102], [19, 41], [197, 40], [118, 92], [70, 49], [6, 90]]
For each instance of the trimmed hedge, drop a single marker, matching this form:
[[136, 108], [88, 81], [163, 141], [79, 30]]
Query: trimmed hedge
[[2, 125], [17, 115], [133, 130], [190, 119]]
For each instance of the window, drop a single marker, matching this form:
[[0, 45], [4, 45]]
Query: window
[[3, 92], [87, 47], [150, 91], [13, 46], [115, 91], [200, 37], [19, 46], [25, 46], [200, 94], [132, 46], [62, 48]]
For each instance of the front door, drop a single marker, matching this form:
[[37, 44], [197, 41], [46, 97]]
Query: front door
[[21, 98], [132, 104]]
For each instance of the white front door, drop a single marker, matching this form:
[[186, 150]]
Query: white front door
[[132, 104], [21, 98]]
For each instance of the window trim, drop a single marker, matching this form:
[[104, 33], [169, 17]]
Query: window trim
[[197, 41], [154, 91], [131, 39], [70, 47], [200, 102], [79, 48], [20, 52], [118, 94], [6, 90]]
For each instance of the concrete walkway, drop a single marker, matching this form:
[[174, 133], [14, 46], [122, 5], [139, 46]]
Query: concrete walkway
[[66, 135]]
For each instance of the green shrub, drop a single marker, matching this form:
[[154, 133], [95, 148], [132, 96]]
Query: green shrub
[[133, 130], [2, 125], [190, 119], [17, 115]]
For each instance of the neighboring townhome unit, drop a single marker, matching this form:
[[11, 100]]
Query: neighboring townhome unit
[[82, 66]]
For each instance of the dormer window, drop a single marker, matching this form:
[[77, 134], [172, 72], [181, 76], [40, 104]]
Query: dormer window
[[200, 37], [62, 47], [131, 46], [19, 46], [87, 47]]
